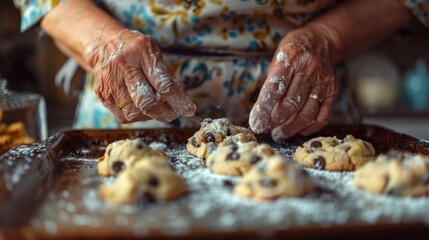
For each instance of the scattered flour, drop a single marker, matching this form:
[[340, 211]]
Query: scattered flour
[[211, 204]]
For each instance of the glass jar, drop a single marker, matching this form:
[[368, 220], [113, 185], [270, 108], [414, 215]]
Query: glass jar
[[22, 118]]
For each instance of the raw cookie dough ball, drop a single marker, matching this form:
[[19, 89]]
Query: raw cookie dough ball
[[272, 178], [237, 158], [211, 133], [399, 174], [332, 154], [124, 153], [144, 182]]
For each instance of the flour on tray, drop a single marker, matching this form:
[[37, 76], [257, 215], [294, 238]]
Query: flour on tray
[[211, 204]]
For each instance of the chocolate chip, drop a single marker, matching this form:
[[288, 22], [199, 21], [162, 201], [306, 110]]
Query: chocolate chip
[[254, 159], [394, 192], [319, 163], [227, 183], [234, 146], [316, 144], [146, 198], [153, 181], [109, 152], [233, 156], [267, 182], [347, 149], [194, 142], [118, 166], [206, 121], [228, 131], [209, 137]]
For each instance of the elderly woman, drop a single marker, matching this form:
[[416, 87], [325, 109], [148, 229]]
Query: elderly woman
[[268, 62]]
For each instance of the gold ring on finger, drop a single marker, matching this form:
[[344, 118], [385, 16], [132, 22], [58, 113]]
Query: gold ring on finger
[[315, 97], [125, 103]]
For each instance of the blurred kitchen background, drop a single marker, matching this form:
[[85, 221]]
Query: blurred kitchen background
[[390, 81]]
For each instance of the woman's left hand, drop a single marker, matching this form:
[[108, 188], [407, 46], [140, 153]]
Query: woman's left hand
[[300, 90]]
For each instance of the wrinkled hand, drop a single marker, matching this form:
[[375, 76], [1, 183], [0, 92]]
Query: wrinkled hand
[[133, 80], [300, 90]]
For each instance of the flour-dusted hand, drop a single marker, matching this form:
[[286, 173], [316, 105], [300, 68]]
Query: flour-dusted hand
[[133, 80], [300, 90]]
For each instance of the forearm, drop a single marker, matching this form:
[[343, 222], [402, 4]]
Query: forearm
[[355, 25], [75, 24]]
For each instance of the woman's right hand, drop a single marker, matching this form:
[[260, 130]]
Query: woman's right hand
[[134, 82]]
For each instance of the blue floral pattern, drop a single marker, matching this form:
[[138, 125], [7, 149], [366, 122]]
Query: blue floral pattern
[[221, 82]]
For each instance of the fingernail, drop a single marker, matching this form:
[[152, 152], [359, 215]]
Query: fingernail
[[258, 125], [190, 109]]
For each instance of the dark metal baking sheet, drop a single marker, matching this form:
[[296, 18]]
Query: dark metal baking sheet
[[49, 189]]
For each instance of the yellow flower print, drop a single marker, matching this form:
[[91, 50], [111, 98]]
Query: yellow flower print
[[172, 17], [199, 8], [55, 2], [260, 35]]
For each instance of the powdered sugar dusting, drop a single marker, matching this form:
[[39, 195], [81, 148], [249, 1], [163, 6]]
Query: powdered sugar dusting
[[11, 170], [211, 204]]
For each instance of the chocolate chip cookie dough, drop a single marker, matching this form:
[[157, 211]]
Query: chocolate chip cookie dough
[[272, 178], [145, 182], [124, 153], [211, 133], [394, 173], [332, 154], [236, 158]]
